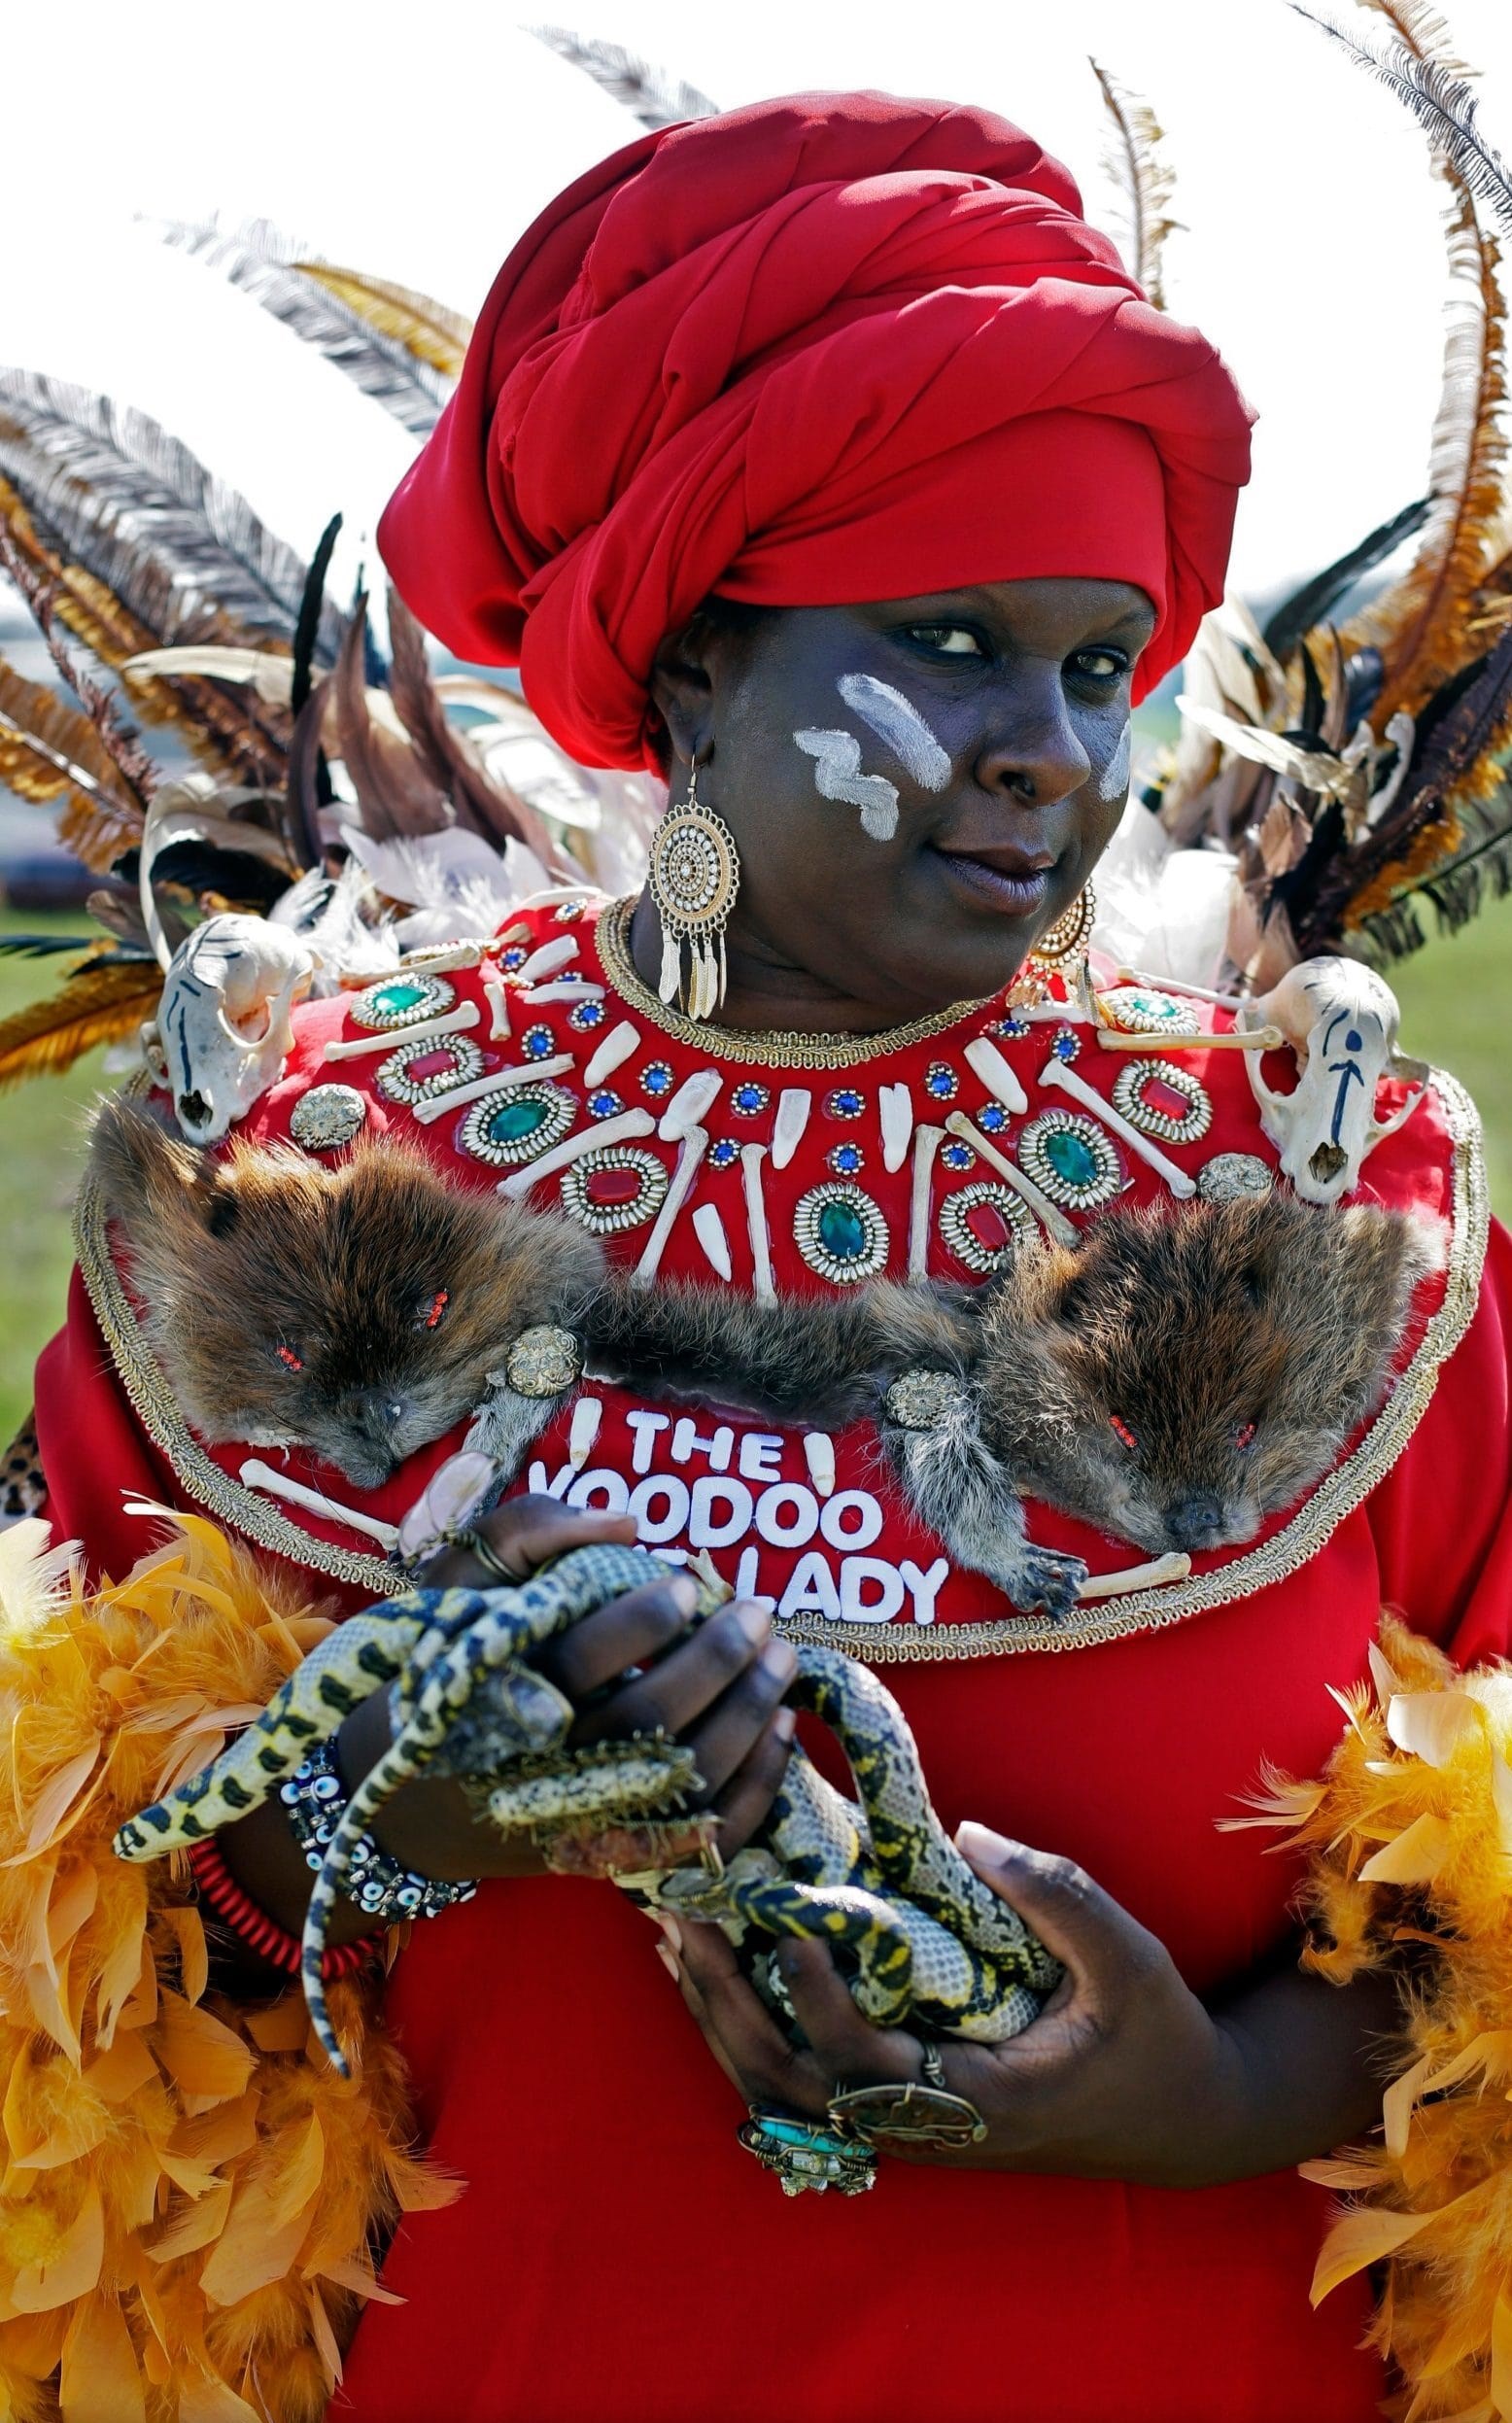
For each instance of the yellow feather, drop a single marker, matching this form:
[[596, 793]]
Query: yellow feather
[[99, 831], [1144, 178], [425, 328], [48, 747], [181, 2151], [98, 1005]]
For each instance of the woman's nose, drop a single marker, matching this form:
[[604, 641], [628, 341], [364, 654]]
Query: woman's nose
[[1031, 752]]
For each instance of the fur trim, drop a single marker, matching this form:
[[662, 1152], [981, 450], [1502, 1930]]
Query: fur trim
[[192, 2197], [1410, 1837]]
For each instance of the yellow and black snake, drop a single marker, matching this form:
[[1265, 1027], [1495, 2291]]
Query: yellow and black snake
[[922, 1937]]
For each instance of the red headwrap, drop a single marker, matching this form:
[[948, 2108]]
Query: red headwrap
[[820, 351]]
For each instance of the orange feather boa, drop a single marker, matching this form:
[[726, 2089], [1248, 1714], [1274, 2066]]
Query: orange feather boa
[[1410, 1840], [192, 2197]]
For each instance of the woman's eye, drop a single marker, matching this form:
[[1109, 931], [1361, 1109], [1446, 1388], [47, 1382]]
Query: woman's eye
[[948, 639], [1100, 664], [428, 1317]]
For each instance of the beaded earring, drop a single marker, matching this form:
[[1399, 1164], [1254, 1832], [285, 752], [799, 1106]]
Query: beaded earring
[[695, 873]]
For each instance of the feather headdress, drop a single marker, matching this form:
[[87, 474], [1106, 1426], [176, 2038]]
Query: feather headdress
[[1358, 767]]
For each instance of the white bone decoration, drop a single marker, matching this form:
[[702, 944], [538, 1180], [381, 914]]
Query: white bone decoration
[[1341, 1021], [222, 1027]]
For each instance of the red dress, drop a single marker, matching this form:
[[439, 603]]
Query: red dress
[[615, 2253]]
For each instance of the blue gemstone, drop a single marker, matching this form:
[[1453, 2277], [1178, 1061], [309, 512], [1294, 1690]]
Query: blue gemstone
[[748, 1099], [586, 1016], [656, 1079], [1012, 1026], [841, 1230], [992, 1119], [724, 1153], [514, 1120], [844, 1104], [604, 1104], [939, 1082], [537, 1043], [1066, 1045], [512, 959], [1071, 1157], [846, 1160], [957, 1156]]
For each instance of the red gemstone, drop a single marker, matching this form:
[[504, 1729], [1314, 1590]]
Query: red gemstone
[[1157, 1094], [988, 1226], [440, 1062], [608, 1187]]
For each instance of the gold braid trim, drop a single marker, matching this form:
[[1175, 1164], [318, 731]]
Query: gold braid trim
[[1107, 1619], [192, 2203], [1410, 1841]]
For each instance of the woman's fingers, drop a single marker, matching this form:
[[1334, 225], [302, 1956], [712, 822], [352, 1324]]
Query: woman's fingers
[[748, 2043], [1105, 1950], [846, 2045], [523, 1534], [722, 1741], [687, 1681], [748, 1795], [631, 1631]]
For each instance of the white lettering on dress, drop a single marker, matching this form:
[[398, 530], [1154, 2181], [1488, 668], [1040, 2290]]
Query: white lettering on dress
[[604, 1492], [924, 1588], [645, 1427], [867, 1526], [708, 1527], [652, 1530], [774, 1503], [761, 1456], [686, 1443], [811, 1589], [856, 1572]]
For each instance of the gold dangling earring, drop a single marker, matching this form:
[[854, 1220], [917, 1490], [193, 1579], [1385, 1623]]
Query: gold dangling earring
[[695, 873], [1062, 951]]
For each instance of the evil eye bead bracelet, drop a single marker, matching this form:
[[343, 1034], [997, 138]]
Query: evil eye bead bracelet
[[381, 1888]]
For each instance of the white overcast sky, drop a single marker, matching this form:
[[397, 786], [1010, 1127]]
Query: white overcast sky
[[417, 140]]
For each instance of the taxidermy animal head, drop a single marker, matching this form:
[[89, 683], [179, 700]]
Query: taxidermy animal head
[[353, 1307], [1182, 1376]]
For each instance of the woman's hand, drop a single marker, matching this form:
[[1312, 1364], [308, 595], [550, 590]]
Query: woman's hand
[[1124, 2074], [634, 1666]]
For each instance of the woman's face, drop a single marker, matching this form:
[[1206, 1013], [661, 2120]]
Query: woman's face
[[917, 788]]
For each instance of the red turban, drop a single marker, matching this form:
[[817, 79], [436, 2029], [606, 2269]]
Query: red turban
[[820, 351]]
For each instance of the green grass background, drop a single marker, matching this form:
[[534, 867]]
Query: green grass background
[[1457, 1008]]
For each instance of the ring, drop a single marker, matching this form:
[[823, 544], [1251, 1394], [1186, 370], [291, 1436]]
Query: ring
[[488, 1557], [909, 2115], [805, 2155], [934, 2069]]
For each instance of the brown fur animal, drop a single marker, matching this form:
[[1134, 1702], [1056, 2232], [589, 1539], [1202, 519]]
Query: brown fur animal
[[359, 1307], [1176, 1379]]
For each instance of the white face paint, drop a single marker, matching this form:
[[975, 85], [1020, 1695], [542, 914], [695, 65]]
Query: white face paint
[[898, 722], [1115, 775], [837, 770]]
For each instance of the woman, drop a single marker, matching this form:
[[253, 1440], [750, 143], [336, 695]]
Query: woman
[[823, 458]]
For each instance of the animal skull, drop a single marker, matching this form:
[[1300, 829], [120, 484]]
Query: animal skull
[[1341, 1021], [223, 1029]]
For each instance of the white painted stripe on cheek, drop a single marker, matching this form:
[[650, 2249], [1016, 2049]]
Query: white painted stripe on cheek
[[1115, 775], [896, 720], [837, 771]]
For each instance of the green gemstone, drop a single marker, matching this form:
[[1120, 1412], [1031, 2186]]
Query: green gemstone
[[514, 1121], [1071, 1157], [842, 1231], [392, 997]]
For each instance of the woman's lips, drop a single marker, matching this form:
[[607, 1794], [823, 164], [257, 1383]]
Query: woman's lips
[[1009, 880]]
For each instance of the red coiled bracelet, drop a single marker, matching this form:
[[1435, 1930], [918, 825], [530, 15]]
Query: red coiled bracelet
[[261, 1934]]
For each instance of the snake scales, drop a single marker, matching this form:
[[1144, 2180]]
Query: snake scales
[[922, 1938]]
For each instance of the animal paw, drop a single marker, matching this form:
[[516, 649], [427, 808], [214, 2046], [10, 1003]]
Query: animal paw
[[1046, 1582]]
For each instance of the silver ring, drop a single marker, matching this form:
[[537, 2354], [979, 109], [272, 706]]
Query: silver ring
[[932, 2068], [488, 1557]]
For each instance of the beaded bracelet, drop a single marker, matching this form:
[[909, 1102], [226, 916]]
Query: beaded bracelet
[[381, 1887], [261, 1934]]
